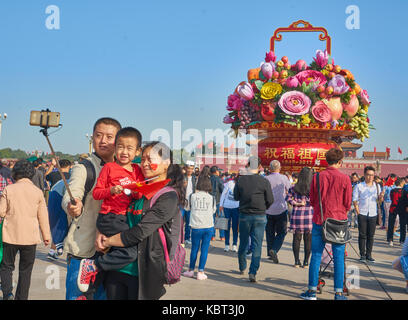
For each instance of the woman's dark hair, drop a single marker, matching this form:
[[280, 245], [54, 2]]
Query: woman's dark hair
[[304, 181], [174, 172], [204, 183], [23, 169], [206, 172]]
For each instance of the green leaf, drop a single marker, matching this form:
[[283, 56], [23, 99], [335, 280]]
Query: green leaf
[[261, 76], [259, 84]]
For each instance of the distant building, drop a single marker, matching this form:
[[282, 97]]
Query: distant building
[[350, 149], [369, 155]]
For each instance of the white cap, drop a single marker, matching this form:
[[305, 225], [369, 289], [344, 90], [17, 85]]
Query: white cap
[[190, 163]]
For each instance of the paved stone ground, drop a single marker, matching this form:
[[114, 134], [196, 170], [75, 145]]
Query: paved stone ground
[[274, 281]]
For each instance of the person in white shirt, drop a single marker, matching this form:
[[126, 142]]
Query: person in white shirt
[[190, 183], [366, 196], [203, 206], [230, 207]]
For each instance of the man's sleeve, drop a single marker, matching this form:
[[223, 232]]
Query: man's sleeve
[[356, 193], [76, 185], [347, 195], [268, 194], [3, 204]]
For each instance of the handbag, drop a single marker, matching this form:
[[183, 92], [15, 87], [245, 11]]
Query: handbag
[[333, 231], [174, 267], [220, 221]]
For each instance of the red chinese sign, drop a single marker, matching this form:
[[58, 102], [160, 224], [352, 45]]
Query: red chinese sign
[[294, 156]]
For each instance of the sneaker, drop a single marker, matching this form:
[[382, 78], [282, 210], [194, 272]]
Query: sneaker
[[60, 251], [382, 228], [234, 248], [226, 249], [52, 255], [188, 274], [340, 296], [391, 244], [86, 275], [10, 296], [249, 254], [370, 259], [201, 276], [297, 264], [396, 234], [213, 239], [273, 256], [305, 265], [222, 239], [241, 272], [362, 258], [308, 295], [81, 298], [187, 242], [252, 278]]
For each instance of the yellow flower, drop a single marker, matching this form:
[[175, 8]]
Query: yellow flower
[[325, 72], [270, 90], [305, 119]]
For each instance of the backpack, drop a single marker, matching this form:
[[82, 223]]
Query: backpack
[[174, 266], [4, 182], [90, 177], [56, 215]]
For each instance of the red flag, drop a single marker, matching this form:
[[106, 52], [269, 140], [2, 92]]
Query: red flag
[[148, 190], [200, 145], [399, 150], [375, 149], [210, 145], [388, 150], [390, 182]]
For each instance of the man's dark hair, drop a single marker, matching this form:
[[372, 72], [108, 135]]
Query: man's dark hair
[[204, 184], [107, 121], [354, 174], [392, 176], [64, 163], [23, 169], [36, 163], [129, 132], [368, 168], [213, 169], [334, 156], [399, 182], [253, 162]]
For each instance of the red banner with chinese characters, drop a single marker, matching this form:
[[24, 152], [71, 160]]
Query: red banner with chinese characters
[[293, 156]]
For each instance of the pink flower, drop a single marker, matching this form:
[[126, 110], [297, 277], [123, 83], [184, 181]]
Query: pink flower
[[270, 56], [267, 69], [245, 91], [365, 99], [228, 120], [322, 58], [292, 82], [294, 103], [339, 84], [301, 65], [308, 76], [321, 112], [234, 102]]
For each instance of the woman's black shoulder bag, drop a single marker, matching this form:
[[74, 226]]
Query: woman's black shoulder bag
[[333, 231]]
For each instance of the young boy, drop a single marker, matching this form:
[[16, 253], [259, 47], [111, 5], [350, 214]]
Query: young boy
[[111, 188]]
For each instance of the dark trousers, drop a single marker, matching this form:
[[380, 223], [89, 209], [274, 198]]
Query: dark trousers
[[110, 224], [121, 286], [366, 231], [276, 229], [307, 241], [25, 268], [392, 217], [403, 225]]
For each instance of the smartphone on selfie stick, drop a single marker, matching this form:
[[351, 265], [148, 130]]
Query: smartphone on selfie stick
[[47, 119]]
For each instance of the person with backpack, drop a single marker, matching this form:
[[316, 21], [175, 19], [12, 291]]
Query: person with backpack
[[80, 240], [203, 207], [395, 196], [160, 223]]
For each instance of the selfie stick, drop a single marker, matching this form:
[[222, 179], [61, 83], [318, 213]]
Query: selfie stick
[[45, 133]]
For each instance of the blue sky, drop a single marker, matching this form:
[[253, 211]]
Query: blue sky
[[149, 63]]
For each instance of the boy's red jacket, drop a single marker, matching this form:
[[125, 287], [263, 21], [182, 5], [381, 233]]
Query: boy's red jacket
[[395, 196], [111, 175]]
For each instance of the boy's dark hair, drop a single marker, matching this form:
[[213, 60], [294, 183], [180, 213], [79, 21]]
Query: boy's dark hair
[[130, 132], [368, 168], [36, 163], [23, 169], [64, 163], [399, 182], [107, 121], [334, 156], [204, 184], [214, 169]]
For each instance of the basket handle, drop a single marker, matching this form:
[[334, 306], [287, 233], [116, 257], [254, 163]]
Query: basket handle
[[307, 27]]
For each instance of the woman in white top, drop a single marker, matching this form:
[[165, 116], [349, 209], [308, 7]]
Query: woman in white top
[[230, 207], [203, 206]]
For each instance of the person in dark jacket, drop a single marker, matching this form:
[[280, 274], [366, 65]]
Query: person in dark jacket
[[217, 189], [164, 213], [254, 194]]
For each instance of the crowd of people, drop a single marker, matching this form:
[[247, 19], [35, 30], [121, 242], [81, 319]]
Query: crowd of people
[[114, 236]]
